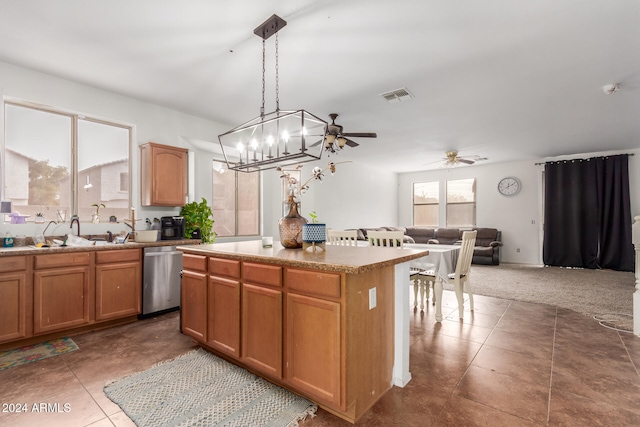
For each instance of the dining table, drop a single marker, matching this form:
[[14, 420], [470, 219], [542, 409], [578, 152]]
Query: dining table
[[442, 259]]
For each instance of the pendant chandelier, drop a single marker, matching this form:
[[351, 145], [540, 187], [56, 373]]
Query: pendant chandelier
[[279, 138]]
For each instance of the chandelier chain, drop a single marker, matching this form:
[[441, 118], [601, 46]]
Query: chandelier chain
[[277, 74], [263, 71]]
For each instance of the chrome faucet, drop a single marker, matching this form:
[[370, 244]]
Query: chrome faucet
[[45, 229], [76, 220]]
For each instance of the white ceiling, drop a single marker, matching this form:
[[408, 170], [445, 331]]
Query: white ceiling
[[503, 79]]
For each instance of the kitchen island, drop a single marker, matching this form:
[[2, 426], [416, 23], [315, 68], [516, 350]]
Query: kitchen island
[[330, 325]]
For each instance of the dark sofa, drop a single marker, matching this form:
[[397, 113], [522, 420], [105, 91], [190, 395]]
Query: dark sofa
[[486, 251]]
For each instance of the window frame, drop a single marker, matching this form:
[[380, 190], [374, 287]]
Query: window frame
[[473, 203], [75, 117], [414, 204]]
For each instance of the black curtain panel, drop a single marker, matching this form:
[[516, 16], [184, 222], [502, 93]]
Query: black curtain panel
[[588, 214], [614, 210]]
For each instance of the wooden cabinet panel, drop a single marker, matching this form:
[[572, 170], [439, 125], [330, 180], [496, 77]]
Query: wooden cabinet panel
[[194, 262], [118, 289], [224, 316], [262, 329], [262, 274], [13, 297], [62, 260], [224, 267], [121, 255], [313, 348], [163, 175], [61, 298], [314, 283], [194, 305], [13, 263]]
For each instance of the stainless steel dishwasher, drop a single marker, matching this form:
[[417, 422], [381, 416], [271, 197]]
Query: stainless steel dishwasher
[[161, 279]]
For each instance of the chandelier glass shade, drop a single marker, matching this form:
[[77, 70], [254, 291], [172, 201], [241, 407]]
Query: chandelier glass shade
[[279, 138]]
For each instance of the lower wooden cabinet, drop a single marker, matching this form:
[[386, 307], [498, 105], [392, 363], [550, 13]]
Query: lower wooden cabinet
[[14, 298], [118, 284], [224, 315], [313, 347], [194, 305], [262, 329], [60, 299]]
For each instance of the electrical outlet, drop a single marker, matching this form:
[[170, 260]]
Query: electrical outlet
[[533, 221], [372, 298], [518, 250]]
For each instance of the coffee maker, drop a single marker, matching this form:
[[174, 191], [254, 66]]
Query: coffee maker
[[172, 228]]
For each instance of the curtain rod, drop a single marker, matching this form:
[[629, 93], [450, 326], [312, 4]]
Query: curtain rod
[[544, 163]]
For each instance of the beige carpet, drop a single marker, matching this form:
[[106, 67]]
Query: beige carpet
[[604, 293]]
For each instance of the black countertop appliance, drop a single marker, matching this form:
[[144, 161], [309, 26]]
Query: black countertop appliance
[[172, 228]]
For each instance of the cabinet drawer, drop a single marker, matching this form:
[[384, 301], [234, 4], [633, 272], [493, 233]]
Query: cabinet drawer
[[313, 282], [224, 267], [13, 263], [262, 274], [194, 262], [124, 255], [62, 260]]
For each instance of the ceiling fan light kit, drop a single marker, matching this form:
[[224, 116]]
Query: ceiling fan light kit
[[278, 138], [334, 138]]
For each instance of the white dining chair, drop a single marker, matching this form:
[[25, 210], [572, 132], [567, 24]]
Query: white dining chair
[[343, 237], [423, 281], [461, 277], [385, 238]]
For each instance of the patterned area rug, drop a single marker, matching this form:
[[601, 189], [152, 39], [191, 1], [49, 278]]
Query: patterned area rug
[[199, 389], [35, 352]]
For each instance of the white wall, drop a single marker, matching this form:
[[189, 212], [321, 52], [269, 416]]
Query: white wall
[[518, 217]]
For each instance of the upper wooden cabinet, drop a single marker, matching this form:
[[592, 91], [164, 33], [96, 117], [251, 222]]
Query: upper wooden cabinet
[[163, 175]]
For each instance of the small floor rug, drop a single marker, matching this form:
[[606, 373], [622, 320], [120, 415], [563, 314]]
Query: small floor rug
[[199, 389], [35, 352]]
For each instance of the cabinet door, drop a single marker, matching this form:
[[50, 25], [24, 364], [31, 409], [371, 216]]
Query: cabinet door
[[262, 329], [60, 298], [118, 290], [224, 315], [313, 347], [194, 305], [163, 175], [13, 315]]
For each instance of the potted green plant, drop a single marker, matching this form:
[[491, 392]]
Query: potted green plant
[[39, 218], [198, 221], [95, 218], [314, 232]]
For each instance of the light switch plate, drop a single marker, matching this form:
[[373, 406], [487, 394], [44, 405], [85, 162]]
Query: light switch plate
[[373, 299]]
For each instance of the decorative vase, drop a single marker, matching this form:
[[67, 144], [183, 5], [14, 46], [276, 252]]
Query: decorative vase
[[291, 227], [314, 233]]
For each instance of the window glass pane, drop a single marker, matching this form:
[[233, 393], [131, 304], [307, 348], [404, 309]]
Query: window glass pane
[[425, 215], [248, 204], [461, 215], [224, 200], [37, 161], [426, 192], [461, 190], [103, 166]]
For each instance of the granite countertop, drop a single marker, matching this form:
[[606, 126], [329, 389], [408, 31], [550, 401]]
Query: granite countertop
[[31, 250], [342, 259]]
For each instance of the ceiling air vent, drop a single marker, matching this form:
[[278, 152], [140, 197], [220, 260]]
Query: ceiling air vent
[[397, 95]]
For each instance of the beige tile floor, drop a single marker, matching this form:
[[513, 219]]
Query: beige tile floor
[[507, 364]]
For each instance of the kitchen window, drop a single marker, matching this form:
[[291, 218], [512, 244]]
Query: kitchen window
[[236, 202], [61, 163]]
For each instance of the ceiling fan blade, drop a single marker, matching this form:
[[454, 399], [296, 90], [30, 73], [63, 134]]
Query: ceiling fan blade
[[351, 143], [469, 162], [315, 144], [361, 134]]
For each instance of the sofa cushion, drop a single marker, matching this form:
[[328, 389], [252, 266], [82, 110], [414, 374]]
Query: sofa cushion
[[486, 236], [421, 234], [483, 251], [448, 236]]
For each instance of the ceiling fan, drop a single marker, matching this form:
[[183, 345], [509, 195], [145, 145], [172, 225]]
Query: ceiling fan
[[452, 159], [336, 139]]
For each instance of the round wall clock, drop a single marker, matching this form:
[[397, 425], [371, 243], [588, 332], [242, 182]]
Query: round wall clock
[[509, 186]]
